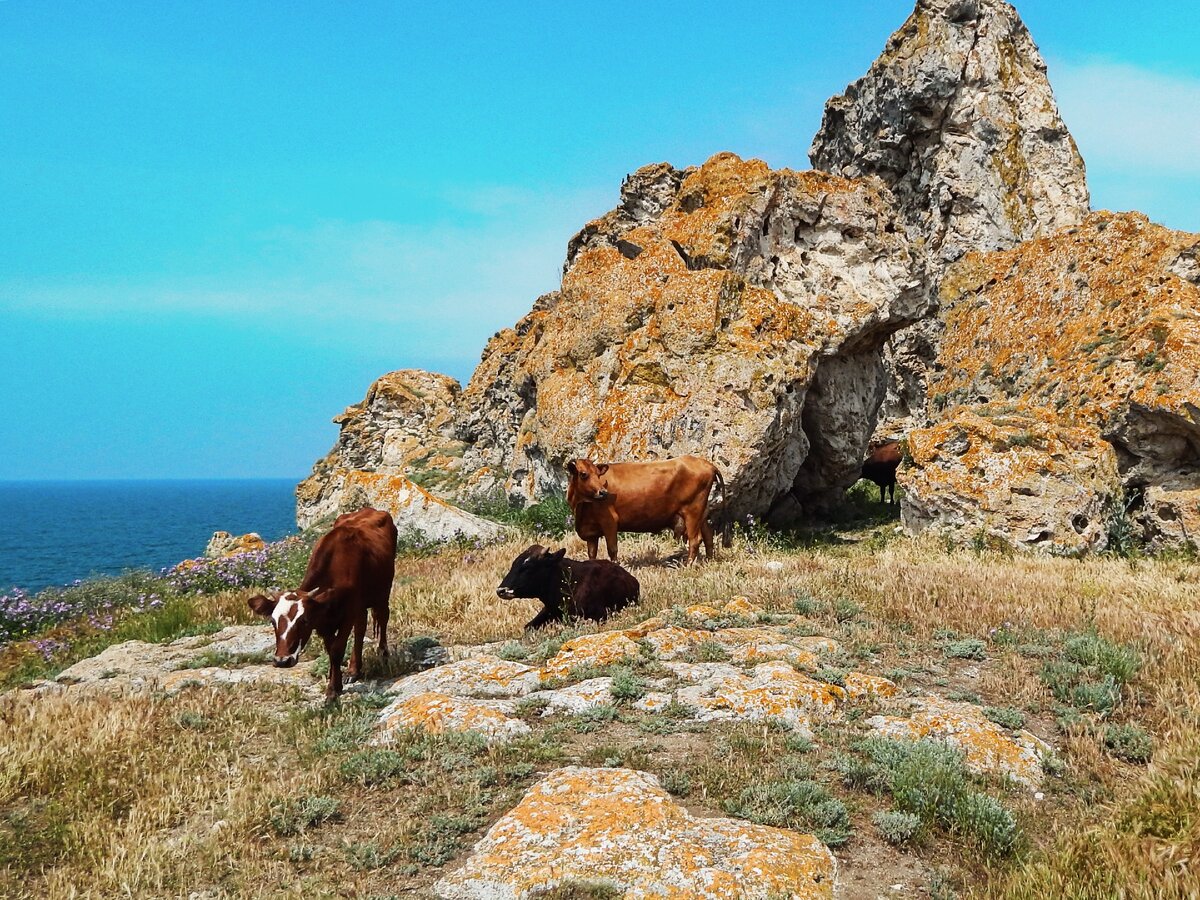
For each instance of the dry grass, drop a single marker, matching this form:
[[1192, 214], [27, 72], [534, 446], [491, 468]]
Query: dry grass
[[148, 796]]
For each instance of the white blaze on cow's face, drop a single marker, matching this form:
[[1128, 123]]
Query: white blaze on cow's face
[[293, 627]]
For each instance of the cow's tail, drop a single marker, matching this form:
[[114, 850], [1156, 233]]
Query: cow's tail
[[724, 523]]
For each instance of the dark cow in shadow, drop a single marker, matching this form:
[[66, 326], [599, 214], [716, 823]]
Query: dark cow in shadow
[[880, 467], [568, 588], [350, 572]]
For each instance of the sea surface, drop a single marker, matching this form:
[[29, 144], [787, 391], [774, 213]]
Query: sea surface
[[52, 532]]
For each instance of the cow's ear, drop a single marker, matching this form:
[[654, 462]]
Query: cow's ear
[[261, 605], [318, 595], [557, 555], [571, 467], [602, 469]]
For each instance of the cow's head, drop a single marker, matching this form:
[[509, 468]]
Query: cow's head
[[292, 613], [588, 480], [535, 573]]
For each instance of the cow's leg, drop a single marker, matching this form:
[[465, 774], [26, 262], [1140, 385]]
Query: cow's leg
[[593, 547], [381, 612], [610, 542], [545, 616], [335, 648], [706, 532], [354, 672]]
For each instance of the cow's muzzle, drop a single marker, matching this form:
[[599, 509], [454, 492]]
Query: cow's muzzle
[[286, 662], [602, 495], [505, 593]]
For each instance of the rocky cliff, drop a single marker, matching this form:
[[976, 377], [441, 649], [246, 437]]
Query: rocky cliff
[[729, 311], [957, 117], [1083, 351]]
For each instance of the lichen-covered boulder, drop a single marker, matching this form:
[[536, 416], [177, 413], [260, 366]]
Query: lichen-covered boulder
[[740, 321], [414, 510], [590, 651], [222, 543], [958, 118], [478, 675], [618, 827], [1021, 477], [770, 691], [396, 450], [439, 713], [987, 748], [1099, 327]]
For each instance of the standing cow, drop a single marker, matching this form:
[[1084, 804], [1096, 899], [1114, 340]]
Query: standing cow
[[350, 572], [584, 589], [880, 467], [642, 496]]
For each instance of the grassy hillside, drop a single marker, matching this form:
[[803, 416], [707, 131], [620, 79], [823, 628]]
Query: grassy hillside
[[250, 791]]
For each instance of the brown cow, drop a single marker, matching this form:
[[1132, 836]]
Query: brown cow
[[880, 467], [350, 571], [642, 496]]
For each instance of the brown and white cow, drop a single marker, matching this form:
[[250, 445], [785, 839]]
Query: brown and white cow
[[350, 572], [880, 467], [642, 496]]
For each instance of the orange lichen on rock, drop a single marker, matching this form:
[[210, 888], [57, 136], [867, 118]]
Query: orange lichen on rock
[[860, 686], [439, 713], [619, 827], [476, 675], [770, 691], [589, 650], [987, 748]]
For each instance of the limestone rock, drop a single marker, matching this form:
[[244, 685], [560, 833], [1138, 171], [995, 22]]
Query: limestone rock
[[770, 691], [394, 448], [238, 654], [222, 543], [439, 713], [958, 118], [1099, 326], [1020, 476], [987, 748], [620, 828], [578, 697], [588, 651], [480, 675], [741, 321]]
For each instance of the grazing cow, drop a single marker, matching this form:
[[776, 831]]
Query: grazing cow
[[350, 571], [880, 467], [642, 496], [572, 588]]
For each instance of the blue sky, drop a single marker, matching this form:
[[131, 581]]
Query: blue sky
[[221, 221]]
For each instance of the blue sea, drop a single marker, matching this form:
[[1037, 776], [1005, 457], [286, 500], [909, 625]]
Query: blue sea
[[52, 532]]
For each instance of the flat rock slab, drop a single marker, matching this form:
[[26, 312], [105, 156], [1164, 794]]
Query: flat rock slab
[[137, 665], [618, 827], [439, 713], [770, 691], [988, 748], [483, 675]]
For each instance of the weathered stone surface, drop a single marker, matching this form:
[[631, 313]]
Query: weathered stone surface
[[394, 448], [590, 650], [860, 686], [709, 338], [481, 675], [414, 509], [1099, 324], [772, 690], [238, 654], [1019, 476], [222, 543], [987, 748], [957, 117], [729, 311], [619, 827], [439, 713], [578, 697]]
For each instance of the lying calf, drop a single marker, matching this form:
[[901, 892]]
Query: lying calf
[[568, 588]]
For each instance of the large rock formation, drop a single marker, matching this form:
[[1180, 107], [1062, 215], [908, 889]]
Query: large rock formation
[[1093, 332], [729, 311], [957, 117]]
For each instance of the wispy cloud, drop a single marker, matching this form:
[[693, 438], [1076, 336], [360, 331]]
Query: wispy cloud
[[1128, 118], [443, 287]]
